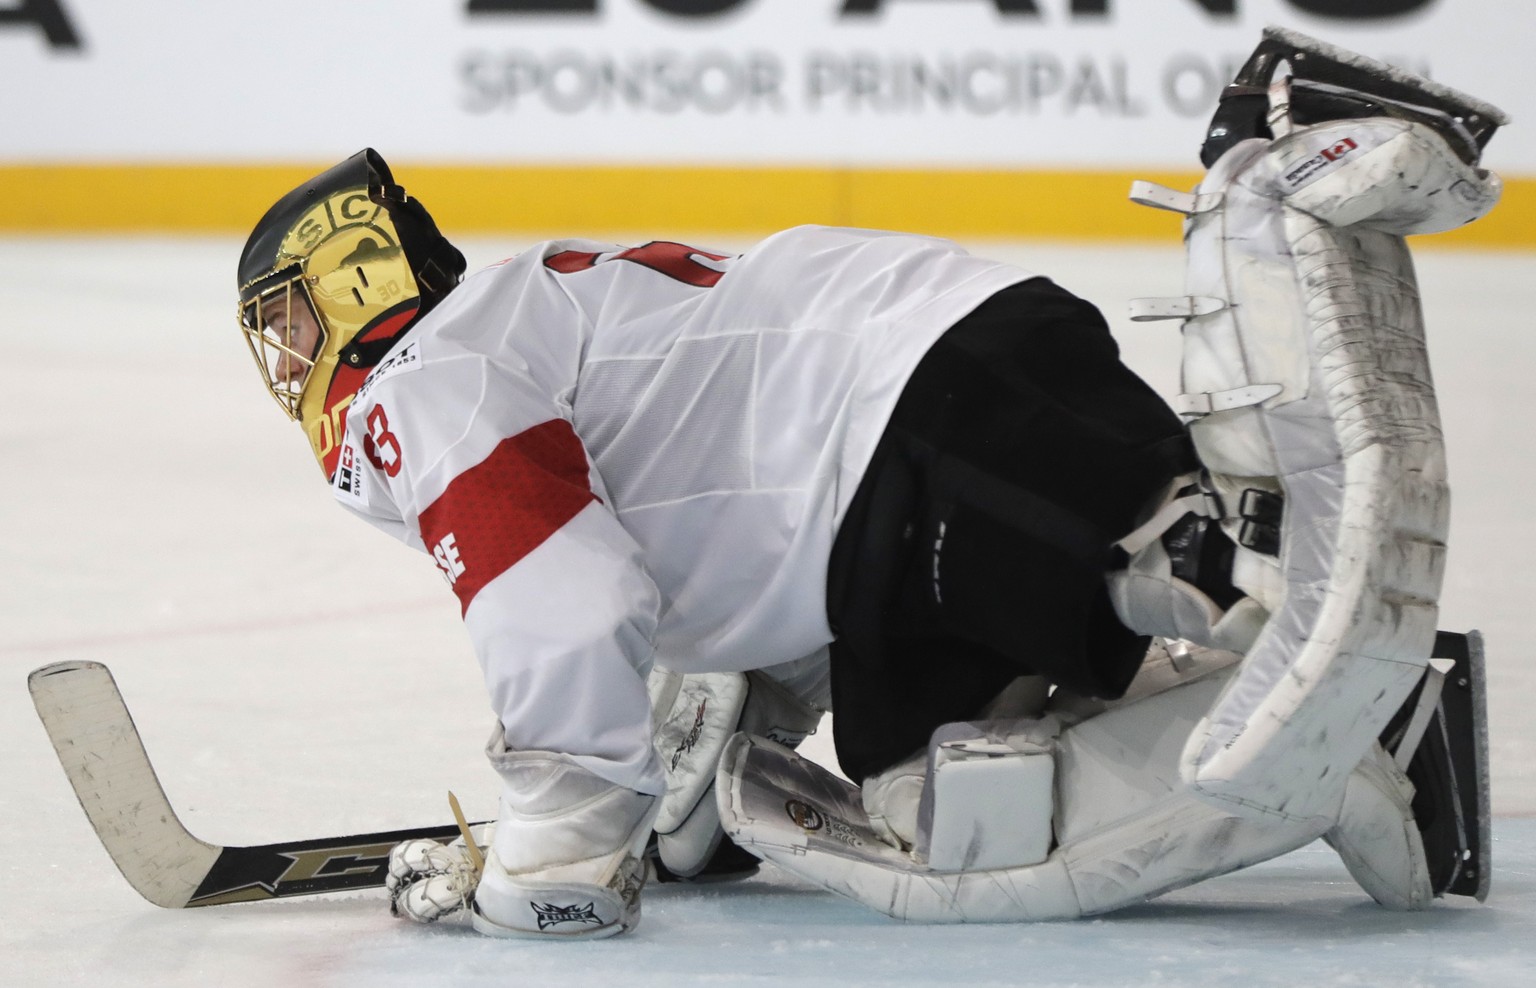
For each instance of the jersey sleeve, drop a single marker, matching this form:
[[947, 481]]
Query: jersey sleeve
[[486, 474]]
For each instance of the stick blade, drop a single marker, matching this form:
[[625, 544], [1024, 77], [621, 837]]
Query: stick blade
[[99, 747]]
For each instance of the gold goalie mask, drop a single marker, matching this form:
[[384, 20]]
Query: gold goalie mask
[[330, 279]]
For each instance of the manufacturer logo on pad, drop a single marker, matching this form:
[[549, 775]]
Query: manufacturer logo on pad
[[804, 815], [552, 915], [1314, 165]]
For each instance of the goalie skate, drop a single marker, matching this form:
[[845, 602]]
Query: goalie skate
[[1414, 823], [1306, 376], [1447, 761], [1329, 83]]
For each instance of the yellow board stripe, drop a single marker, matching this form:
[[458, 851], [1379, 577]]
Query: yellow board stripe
[[1079, 205]]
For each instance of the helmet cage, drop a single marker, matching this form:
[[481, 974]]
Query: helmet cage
[[267, 318]]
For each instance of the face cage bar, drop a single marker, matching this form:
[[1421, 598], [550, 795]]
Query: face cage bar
[[269, 348]]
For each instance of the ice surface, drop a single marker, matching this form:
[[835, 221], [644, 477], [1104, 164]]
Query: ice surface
[[294, 673]]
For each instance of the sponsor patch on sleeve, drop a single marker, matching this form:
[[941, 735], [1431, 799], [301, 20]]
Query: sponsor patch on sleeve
[[401, 361], [350, 483]]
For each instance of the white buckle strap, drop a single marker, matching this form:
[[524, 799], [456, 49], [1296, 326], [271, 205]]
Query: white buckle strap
[[1174, 307], [1279, 116], [1196, 502], [1162, 197], [1206, 402], [1429, 699]]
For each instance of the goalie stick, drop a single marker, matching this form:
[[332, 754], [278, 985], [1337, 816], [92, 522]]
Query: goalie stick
[[101, 752]]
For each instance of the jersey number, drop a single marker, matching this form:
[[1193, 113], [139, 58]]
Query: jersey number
[[677, 261], [380, 445]]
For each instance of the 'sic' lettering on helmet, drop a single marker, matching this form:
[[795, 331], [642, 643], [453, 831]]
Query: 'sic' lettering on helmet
[[309, 232], [356, 207]]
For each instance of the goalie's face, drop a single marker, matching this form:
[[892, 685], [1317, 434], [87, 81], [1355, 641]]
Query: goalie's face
[[298, 325], [286, 338]]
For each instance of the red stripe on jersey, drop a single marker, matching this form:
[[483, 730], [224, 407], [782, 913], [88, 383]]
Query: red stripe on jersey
[[571, 261], [677, 261], [507, 505]]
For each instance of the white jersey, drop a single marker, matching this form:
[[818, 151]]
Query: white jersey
[[619, 455]]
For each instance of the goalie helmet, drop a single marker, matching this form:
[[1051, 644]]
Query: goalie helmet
[[329, 280]]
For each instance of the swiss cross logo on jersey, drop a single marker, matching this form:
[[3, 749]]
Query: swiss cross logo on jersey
[[348, 480], [380, 445], [446, 552]]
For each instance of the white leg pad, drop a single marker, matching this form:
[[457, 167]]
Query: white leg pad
[[1331, 316], [790, 811], [1126, 826]]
